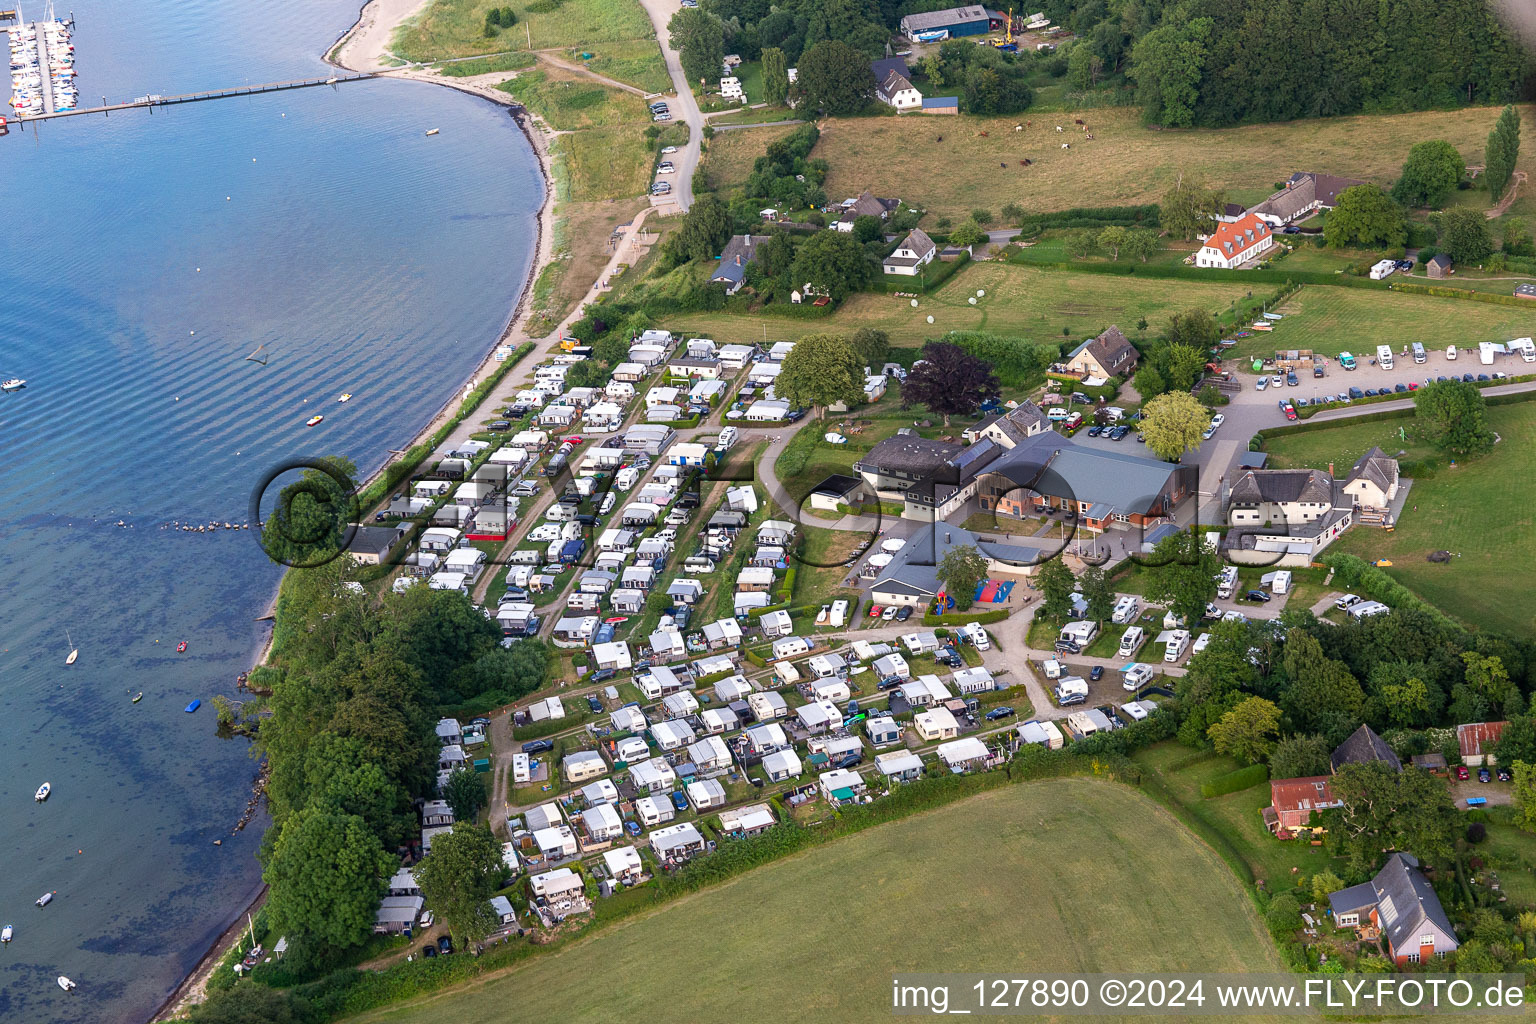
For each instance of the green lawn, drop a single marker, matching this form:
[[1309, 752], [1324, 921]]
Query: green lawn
[[1343, 444], [1480, 509], [1025, 301], [634, 61], [571, 101], [1065, 876], [1334, 320], [1235, 816]]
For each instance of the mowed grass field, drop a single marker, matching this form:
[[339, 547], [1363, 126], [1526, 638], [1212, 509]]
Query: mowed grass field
[[1480, 509], [1333, 320], [456, 28], [570, 101], [1022, 301], [1126, 162], [1070, 875]]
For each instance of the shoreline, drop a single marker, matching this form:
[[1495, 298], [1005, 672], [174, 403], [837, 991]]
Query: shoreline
[[194, 985]]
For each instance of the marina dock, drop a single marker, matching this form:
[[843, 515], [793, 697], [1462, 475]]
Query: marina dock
[[156, 100], [42, 66]]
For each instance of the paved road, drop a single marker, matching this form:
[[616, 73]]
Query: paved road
[[687, 158]]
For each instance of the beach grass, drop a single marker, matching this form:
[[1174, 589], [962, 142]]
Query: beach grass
[[1002, 881], [1125, 163], [581, 248], [1333, 320], [487, 65], [1480, 509], [602, 163], [636, 62], [570, 101], [1030, 302], [456, 28]]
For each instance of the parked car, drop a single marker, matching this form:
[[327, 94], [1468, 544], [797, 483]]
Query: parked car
[[538, 746], [1482, 376], [429, 950], [1346, 601], [632, 827], [1504, 775], [1095, 430], [1462, 773], [1097, 673], [1318, 371], [679, 801], [594, 705], [1356, 393], [904, 613], [1276, 381], [996, 714], [1257, 595], [665, 167], [1400, 388], [1405, 264], [1290, 378], [1290, 412], [1067, 647], [889, 682], [1467, 378], [849, 760], [875, 610], [445, 945], [1261, 384], [889, 613], [1484, 775]]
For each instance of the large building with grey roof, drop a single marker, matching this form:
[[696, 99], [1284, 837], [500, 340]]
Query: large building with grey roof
[[912, 579], [1401, 905]]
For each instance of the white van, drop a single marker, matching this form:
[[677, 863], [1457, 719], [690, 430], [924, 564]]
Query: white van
[[977, 635], [1071, 690], [1418, 352], [1178, 643], [1125, 610], [839, 612], [1136, 675], [1450, 351], [1226, 582], [1131, 641], [1384, 356]]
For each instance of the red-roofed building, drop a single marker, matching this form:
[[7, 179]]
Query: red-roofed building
[[1233, 244], [1292, 801], [1476, 738]]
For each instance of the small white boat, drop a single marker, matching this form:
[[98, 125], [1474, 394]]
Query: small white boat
[[74, 652], [331, 80], [6, 934], [65, 983], [45, 899], [43, 791], [13, 384], [431, 131], [346, 396]]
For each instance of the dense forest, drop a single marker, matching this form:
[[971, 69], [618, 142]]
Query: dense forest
[[1208, 62]]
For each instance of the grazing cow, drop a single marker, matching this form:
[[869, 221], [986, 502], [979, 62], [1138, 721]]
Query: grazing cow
[[1090, 138], [1077, 121], [1060, 128], [1066, 145], [982, 134], [1003, 164], [1018, 127]]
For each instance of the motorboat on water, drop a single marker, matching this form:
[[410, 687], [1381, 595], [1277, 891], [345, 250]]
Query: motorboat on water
[[6, 934], [193, 706], [313, 421], [65, 983], [138, 696], [43, 791], [432, 131], [181, 648], [346, 396], [13, 384], [45, 899]]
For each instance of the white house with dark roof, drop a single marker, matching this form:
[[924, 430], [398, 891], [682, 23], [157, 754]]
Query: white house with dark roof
[[866, 204], [894, 88], [1373, 481], [1007, 429], [1305, 193], [1110, 354], [914, 253]]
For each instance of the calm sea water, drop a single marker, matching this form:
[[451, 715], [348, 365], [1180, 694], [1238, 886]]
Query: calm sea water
[[142, 257]]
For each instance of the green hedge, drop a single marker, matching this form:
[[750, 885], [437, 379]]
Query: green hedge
[[1091, 217], [1235, 782], [961, 618], [1309, 411], [937, 273], [1181, 272], [1356, 574]]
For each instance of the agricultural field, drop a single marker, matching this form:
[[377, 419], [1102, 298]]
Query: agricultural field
[[456, 28], [1048, 877], [1333, 320], [949, 166], [1479, 509], [728, 157], [1039, 304]]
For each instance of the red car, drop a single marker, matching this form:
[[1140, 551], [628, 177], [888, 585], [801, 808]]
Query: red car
[[1413, 385], [875, 610], [1290, 412], [1462, 773]]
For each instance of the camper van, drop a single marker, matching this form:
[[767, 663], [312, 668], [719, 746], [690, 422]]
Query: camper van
[[1178, 643], [1526, 347], [1071, 690], [1081, 632], [1384, 356], [1131, 641], [1418, 352], [1225, 583], [977, 635], [1347, 361], [839, 612], [1125, 610], [1136, 675]]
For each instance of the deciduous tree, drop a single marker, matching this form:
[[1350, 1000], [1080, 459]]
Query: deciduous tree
[[1184, 575], [461, 873], [967, 234], [1502, 153], [1172, 424], [961, 570], [1056, 587], [1453, 416], [820, 370], [1430, 175], [1112, 240], [949, 381], [1248, 731], [1189, 209], [1098, 592], [1140, 244], [1523, 775], [464, 793], [871, 346], [775, 76], [1464, 236], [705, 229], [1300, 757], [1365, 217], [833, 262], [1386, 809], [699, 38], [326, 872], [835, 78]]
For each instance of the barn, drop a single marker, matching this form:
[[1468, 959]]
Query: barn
[[955, 21]]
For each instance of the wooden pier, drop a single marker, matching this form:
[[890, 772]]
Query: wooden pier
[[153, 101]]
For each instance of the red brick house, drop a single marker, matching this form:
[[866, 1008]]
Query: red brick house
[[1292, 801], [1400, 904]]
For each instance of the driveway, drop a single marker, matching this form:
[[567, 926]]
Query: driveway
[[686, 158]]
